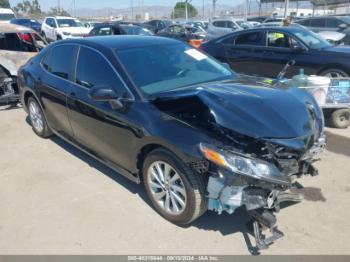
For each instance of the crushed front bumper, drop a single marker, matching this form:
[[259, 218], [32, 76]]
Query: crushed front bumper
[[260, 200]]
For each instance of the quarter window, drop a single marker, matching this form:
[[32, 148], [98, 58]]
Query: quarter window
[[59, 61], [93, 71], [254, 38]]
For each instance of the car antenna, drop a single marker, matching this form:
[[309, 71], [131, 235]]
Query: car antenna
[[284, 70]]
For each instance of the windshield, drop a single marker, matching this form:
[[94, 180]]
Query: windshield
[[6, 17], [160, 68], [135, 30], [312, 40], [69, 23]]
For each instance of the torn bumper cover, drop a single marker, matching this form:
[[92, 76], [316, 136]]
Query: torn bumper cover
[[9, 94], [258, 185]]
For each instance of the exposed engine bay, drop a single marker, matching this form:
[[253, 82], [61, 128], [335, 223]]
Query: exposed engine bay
[[250, 168]]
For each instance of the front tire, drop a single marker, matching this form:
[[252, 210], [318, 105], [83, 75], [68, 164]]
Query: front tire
[[334, 73], [37, 119], [176, 192], [340, 118]]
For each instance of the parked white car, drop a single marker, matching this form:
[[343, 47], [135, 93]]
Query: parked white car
[[6, 15], [61, 27], [219, 27]]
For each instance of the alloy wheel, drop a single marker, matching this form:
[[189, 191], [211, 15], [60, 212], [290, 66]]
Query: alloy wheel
[[36, 117], [335, 74], [167, 187]]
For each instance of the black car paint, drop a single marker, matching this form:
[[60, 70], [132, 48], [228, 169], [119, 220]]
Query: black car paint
[[270, 60], [119, 136]]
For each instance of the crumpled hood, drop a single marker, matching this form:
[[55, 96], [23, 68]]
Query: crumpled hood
[[250, 106]]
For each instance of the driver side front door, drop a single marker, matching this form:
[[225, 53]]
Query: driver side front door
[[102, 130]]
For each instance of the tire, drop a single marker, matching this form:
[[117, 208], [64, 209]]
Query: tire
[[334, 73], [37, 119], [340, 118], [192, 185]]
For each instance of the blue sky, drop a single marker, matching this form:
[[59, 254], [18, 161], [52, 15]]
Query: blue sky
[[68, 4]]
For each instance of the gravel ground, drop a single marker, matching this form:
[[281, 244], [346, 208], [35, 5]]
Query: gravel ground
[[54, 199]]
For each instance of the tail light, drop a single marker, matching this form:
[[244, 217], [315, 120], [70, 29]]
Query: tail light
[[26, 37], [196, 42]]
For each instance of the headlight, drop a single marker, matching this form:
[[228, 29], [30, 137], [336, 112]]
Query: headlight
[[65, 33], [243, 165]]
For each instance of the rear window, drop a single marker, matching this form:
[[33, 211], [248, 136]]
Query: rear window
[[12, 42]]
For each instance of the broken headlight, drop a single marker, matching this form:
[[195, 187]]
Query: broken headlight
[[244, 165]]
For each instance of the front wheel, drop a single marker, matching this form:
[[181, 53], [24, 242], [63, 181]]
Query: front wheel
[[37, 119], [176, 192], [334, 73], [340, 118]]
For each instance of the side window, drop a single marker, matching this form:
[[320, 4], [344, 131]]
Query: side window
[[106, 30], [254, 38], [333, 22], [230, 24], [278, 39], [219, 23], [98, 73], [59, 60], [229, 40], [318, 22]]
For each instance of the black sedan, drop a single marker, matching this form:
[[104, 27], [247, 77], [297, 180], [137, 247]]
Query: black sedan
[[118, 29], [186, 33], [27, 22], [264, 51], [159, 111]]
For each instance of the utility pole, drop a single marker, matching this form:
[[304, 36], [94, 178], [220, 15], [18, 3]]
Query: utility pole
[[132, 10], [286, 7], [203, 10], [246, 10], [214, 5], [186, 10]]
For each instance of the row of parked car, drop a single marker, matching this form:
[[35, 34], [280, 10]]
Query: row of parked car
[[250, 49]]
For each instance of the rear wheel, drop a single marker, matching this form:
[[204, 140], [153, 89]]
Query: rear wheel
[[176, 192], [334, 73], [340, 118], [37, 119]]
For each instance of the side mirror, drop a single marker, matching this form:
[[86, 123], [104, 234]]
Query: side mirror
[[343, 26], [54, 26], [298, 48], [102, 93]]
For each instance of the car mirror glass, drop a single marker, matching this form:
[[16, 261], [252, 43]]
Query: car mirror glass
[[343, 26]]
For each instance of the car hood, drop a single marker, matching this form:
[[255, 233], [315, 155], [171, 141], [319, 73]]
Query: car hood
[[75, 30], [252, 107], [338, 49]]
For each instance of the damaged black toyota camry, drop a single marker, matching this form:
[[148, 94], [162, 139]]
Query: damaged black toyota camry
[[198, 135]]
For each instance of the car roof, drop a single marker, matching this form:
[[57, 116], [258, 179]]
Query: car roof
[[122, 41], [13, 28]]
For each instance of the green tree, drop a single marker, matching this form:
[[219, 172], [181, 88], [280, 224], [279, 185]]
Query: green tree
[[5, 4], [28, 8], [180, 10], [56, 11]]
